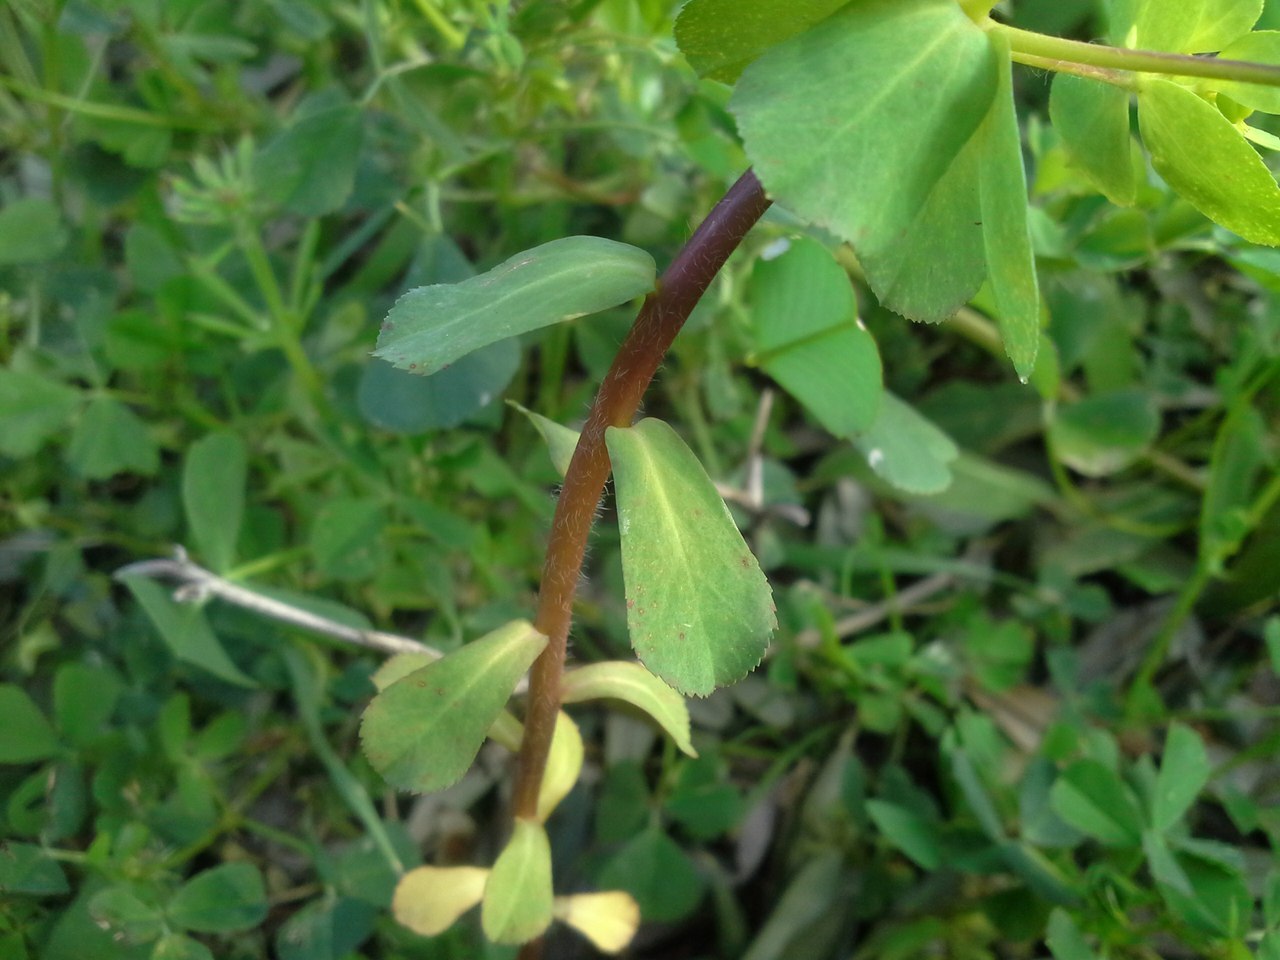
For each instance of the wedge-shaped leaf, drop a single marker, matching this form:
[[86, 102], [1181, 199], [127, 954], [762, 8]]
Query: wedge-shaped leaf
[[429, 899], [561, 440], [127, 918], [906, 450], [1104, 433], [430, 327], [1184, 770], [1207, 160], [1011, 266], [185, 631], [1193, 26], [564, 766], [422, 732], [1092, 118], [222, 899], [33, 409], [110, 438], [838, 131], [633, 684], [27, 869], [720, 37], [808, 337], [699, 608], [1261, 46], [310, 167], [1064, 939], [25, 734], [213, 480], [908, 831], [609, 920], [1092, 798], [517, 899]]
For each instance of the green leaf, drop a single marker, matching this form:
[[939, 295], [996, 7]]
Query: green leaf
[[908, 831], [213, 483], [32, 409], [1091, 798], [1184, 770], [109, 439], [177, 946], [809, 338], [838, 131], [907, 450], [1011, 265], [633, 684], [130, 920], [654, 870], [1261, 46], [1064, 939], [310, 167], [26, 869], [327, 929], [25, 734], [517, 898], [1104, 433], [699, 608], [348, 540], [1092, 118], [430, 327], [422, 732], [84, 697], [808, 900], [31, 231], [222, 899], [1207, 160], [720, 37], [564, 765], [1194, 26], [561, 441], [185, 631]]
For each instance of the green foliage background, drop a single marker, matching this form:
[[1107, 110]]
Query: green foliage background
[[1028, 708]]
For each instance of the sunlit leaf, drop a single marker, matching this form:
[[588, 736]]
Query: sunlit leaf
[[633, 684], [422, 732], [809, 338], [429, 899], [430, 327], [1207, 160], [1193, 26], [517, 898], [609, 920], [720, 37], [699, 609]]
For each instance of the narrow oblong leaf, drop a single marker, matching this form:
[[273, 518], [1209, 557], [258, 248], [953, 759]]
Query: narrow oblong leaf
[[1092, 118], [1184, 770], [564, 765], [517, 898], [213, 482], [838, 130], [699, 608], [809, 339], [430, 327], [429, 899], [422, 732], [1011, 265], [633, 684], [609, 920], [1207, 160]]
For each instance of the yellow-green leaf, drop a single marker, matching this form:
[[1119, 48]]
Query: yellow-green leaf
[[429, 899], [517, 899], [633, 684], [609, 920]]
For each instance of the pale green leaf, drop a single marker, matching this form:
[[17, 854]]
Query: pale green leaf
[[429, 899], [430, 327], [564, 765], [906, 450], [838, 131], [1184, 770], [32, 410], [699, 609], [517, 899], [809, 338], [183, 628], [1011, 265], [561, 441], [213, 484], [633, 684], [1092, 118], [399, 667], [1207, 160], [1194, 26], [422, 732], [720, 37], [1261, 46]]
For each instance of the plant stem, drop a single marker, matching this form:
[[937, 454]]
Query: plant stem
[[663, 314], [1047, 49]]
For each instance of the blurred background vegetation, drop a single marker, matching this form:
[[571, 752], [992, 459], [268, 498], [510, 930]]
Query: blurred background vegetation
[[1035, 714]]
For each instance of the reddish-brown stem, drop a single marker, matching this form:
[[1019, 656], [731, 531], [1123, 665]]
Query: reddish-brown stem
[[663, 314]]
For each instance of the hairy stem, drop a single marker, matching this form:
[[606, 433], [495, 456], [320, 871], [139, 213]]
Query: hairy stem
[[1048, 49], [663, 314]]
